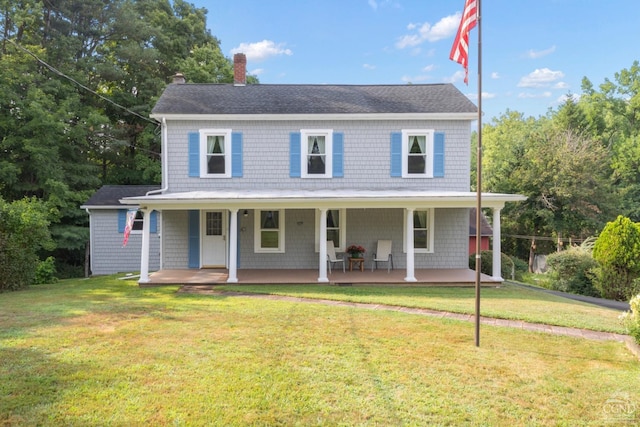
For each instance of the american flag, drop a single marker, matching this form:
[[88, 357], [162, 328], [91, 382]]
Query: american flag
[[460, 49], [131, 216]]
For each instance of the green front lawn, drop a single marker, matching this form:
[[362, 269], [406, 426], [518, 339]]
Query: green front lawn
[[106, 352], [505, 302]]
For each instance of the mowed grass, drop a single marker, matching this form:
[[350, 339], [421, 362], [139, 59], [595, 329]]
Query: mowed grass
[[504, 302], [106, 352]]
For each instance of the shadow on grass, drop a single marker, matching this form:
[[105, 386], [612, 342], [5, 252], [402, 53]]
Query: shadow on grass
[[29, 380], [505, 291]]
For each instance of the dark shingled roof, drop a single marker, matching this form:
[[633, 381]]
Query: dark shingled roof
[[109, 195], [311, 99], [485, 228]]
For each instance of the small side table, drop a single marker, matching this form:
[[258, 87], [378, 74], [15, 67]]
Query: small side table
[[358, 262]]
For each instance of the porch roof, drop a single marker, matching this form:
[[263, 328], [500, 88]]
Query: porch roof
[[317, 198]]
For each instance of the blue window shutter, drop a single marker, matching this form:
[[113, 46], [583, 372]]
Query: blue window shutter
[[236, 154], [153, 225], [338, 154], [294, 154], [194, 154], [122, 220], [396, 154], [438, 155], [194, 239]]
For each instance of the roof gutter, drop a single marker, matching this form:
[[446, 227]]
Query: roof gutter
[[163, 160]]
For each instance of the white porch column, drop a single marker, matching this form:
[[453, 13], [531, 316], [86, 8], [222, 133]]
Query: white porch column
[[410, 247], [322, 256], [497, 250], [233, 246], [144, 257]]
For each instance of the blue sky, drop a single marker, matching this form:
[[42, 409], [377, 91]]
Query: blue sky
[[533, 52]]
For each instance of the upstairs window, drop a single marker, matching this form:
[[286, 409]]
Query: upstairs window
[[215, 153], [317, 153], [417, 153]]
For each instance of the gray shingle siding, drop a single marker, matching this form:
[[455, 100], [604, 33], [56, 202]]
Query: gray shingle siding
[[109, 256], [175, 239], [451, 228], [366, 155]]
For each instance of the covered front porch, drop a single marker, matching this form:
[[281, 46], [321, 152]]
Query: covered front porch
[[234, 207], [431, 277]]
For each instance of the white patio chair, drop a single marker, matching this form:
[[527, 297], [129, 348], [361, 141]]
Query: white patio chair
[[331, 256], [383, 254]]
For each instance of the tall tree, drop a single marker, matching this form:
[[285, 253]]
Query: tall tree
[[77, 81], [561, 172]]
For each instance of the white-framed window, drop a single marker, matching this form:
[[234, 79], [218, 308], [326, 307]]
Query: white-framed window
[[215, 153], [423, 226], [269, 231], [317, 153], [336, 228], [417, 153], [138, 222]]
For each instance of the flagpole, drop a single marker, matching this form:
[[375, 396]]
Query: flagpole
[[479, 178]]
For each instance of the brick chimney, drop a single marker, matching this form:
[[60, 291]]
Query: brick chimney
[[239, 69], [178, 78]]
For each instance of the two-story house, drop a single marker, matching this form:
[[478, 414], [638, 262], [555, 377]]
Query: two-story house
[[263, 176]]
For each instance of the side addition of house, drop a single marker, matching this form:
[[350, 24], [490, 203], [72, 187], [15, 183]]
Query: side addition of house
[[266, 176], [107, 218]]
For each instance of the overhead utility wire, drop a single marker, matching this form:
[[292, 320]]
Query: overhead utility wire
[[61, 74]]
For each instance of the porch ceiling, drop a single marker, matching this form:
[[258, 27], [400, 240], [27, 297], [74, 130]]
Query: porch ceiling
[[339, 198]]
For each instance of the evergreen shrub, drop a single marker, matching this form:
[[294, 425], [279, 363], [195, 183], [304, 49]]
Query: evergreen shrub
[[572, 271], [45, 272]]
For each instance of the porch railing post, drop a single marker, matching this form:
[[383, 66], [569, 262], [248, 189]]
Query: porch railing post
[[322, 257], [144, 256], [410, 247], [233, 246], [496, 247]]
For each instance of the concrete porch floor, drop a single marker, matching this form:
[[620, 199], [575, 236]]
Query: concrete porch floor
[[449, 277]]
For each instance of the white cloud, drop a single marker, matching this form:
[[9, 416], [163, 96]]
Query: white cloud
[[485, 95], [375, 4], [458, 76], [524, 95], [563, 98], [415, 79], [260, 51], [368, 66], [257, 71], [409, 40], [561, 85], [495, 75], [542, 77], [535, 54], [429, 68], [442, 29]]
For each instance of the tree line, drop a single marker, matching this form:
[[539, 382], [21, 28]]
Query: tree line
[[78, 79], [578, 165]]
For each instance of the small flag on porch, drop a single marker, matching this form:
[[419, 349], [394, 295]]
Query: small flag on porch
[[460, 50], [131, 216]]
